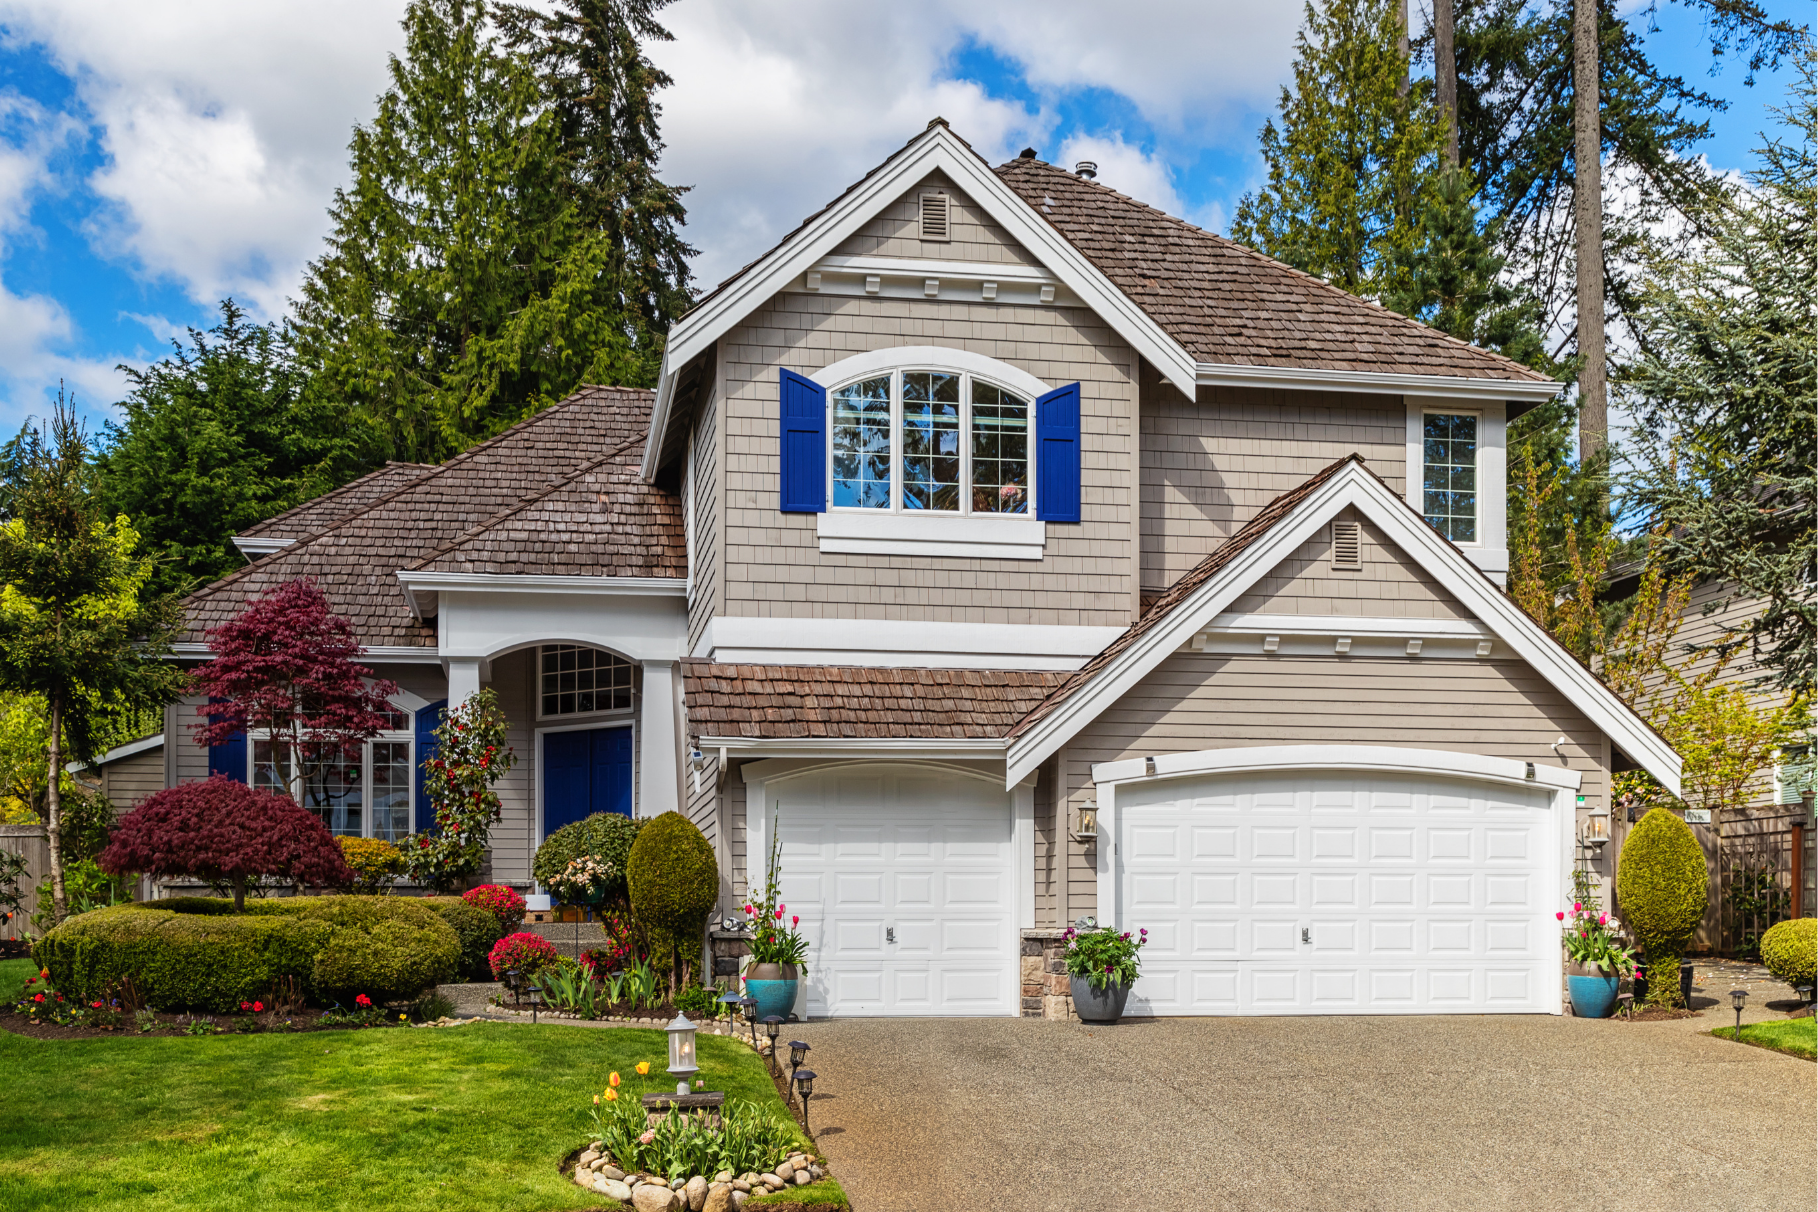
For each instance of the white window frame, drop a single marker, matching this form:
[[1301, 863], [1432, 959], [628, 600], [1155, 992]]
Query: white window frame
[[407, 705], [898, 531], [536, 686], [1490, 550]]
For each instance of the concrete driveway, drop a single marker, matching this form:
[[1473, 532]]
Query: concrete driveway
[[1518, 1113]]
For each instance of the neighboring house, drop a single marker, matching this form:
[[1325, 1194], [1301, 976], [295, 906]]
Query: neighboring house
[[1017, 553]]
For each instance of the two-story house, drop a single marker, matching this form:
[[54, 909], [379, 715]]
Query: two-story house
[[1010, 552]]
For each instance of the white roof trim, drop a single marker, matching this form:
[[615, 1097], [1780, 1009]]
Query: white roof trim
[[1226, 374], [936, 149], [509, 583], [142, 745], [882, 747], [414, 653], [256, 546], [1438, 762], [1355, 487]]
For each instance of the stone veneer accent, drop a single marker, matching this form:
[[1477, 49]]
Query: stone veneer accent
[[1047, 990]]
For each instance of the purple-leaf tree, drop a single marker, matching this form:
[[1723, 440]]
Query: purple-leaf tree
[[283, 668], [223, 831]]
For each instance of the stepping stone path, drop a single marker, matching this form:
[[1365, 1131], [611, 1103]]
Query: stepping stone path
[[721, 1193]]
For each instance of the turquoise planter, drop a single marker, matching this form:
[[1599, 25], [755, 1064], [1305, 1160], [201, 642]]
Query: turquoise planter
[[773, 997], [1592, 996]]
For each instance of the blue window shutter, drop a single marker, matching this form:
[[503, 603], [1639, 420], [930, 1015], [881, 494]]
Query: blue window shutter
[[802, 484], [1057, 455], [428, 720], [229, 757]]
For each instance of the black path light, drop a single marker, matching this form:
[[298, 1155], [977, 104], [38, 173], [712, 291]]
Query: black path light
[[798, 1053], [730, 1004], [749, 1006], [804, 1084], [773, 1026], [512, 979], [1737, 997]]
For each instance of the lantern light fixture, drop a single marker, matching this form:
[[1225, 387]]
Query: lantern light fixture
[[798, 1053], [1737, 997], [804, 1086], [773, 1026], [748, 1005], [681, 1052], [1085, 820], [1597, 829]]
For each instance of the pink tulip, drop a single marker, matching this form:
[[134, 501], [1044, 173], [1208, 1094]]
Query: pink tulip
[[1577, 907], [1603, 919], [1560, 915]]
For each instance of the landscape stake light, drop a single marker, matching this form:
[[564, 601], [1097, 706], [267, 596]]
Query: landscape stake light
[[804, 1086], [729, 1003], [681, 1052], [511, 983], [749, 1006], [1737, 997], [773, 1026], [798, 1052]]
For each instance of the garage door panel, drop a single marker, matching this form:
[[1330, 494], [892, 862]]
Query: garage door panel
[[1451, 987], [1451, 937], [1334, 845], [1509, 938], [966, 889], [1334, 987], [1151, 890], [1274, 937], [1392, 987], [1392, 937], [1506, 892], [859, 889], [1451, 845], [1211, 844], [1333, 891], [1210, 939], [1278, 988], [913, 889], [1216, 891], [857, 936], [1449, 893], [1270, 844], [1391, 845], [1391, 891]]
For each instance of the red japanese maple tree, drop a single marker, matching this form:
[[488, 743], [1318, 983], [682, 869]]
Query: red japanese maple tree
[[223, 831], [284, 667]]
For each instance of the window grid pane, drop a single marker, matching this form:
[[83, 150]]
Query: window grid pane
[[1000, 450], [861, 444], [931, 441], [391, 789], [333, 791], [1449, 475], [271, 767], [577, 680]]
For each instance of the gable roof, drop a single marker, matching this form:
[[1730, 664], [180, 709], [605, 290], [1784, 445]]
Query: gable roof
[[1270, 537], [336, 505], [1228, 304], [355, 559], [844, 702]]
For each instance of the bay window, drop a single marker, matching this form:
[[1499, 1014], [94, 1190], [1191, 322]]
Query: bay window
[[930, 442]]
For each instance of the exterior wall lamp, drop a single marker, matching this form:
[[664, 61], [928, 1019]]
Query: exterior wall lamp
[[1597, 829], [1085, 820]]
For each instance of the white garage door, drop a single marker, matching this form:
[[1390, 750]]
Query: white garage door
[[1337, 894], [904, 880]]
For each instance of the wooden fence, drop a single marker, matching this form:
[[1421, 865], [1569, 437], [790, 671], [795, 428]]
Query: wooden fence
[[1762, 873], [30, 842]]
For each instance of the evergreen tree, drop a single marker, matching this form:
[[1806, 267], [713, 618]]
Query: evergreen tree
[[1353, 161], [217, 437], [463, 288], [589, 57], [1725, 450]]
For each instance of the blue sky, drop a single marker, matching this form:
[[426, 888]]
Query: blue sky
[[155, 157]]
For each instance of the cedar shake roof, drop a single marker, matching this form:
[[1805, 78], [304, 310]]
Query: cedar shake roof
[[838, 702], [1182, 589], [337, 505], [1229, 304], [356, 559]]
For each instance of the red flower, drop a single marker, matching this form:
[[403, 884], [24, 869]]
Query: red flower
[[94, 1005], [246, 1005], [38, 997], [795, 920], [258, 1007], [362, 1000]]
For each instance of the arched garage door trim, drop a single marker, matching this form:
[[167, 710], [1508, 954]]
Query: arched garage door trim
[[1559, 784]]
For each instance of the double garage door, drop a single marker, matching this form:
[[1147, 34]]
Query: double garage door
[[1339, 894]]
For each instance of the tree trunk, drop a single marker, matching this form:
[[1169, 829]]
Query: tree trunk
[[1445, 75], [1593, 422], [239, 894], [1403, 45], [53, 820]]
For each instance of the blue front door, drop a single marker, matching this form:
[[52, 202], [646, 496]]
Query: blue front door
[[585, 772]]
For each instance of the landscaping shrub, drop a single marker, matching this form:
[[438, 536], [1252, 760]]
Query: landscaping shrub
[[1660, 891], [528, 953], [674, 878], [373, 862], [1790, 951], [197, 953], [605, 835], [477, 929], [499, 900]]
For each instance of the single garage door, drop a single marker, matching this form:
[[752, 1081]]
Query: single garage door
[[1331, 894], [904, 880]]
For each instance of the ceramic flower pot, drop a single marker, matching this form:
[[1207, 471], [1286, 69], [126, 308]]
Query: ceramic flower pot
[[774, 987], [1104, 1005], [1591, 990]]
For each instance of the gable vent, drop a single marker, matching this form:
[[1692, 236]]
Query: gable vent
[[1347, 545], [934, 216]]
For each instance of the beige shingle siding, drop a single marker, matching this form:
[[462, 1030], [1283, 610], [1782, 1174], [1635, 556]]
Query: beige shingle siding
[[896, 231], [772, 563], [707, 571], [188, 760], [1387, 584], [1200, 701], [1208, 465], [125, 781]]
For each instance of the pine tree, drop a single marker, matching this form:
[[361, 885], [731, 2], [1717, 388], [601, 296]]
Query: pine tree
[[463, 289], [1725, 449], [1353, 162], [216, 437], [589, 57]]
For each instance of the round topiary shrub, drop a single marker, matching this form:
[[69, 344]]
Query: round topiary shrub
[[197, 953], [500, 900], [373, 862], [524, 952], [1660, 894], [477, 929], [605, 835], [674, 878], [1790, 951]]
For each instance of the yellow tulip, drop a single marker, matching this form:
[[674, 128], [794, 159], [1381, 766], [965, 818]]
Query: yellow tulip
[[643, 1068], [612, 1096], [596, 1100], [613, 1080]]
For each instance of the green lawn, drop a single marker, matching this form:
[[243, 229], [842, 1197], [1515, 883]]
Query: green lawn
[[1798, 1036], [473, 1117], [12, 978]]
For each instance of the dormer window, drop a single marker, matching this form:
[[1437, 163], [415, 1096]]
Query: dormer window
[[1449, 474], [930, 441]]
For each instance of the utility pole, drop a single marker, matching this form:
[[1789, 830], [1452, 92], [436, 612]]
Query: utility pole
[[1593, 386], [1445, 75]]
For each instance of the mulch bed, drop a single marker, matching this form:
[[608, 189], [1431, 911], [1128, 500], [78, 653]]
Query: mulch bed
[[176, 1024], [1657, 1014]]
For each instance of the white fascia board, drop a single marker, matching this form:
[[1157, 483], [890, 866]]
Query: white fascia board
[[1229, 374], [1357, 488], [970, 271], [857, 747], [443, 582], [1390, 759], [938, 149], [884, 643], [406, 654], [252, 547], [659, 417], [1334, 624], [142, 745]]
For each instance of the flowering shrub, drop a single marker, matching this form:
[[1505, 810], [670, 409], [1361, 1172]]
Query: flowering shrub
[[682, 1144], [1590, 941], [502, 902], [1103, 956], [373, 861], [619, 950], [471, 755], [40, 1003], [584, 880], [528, 953]]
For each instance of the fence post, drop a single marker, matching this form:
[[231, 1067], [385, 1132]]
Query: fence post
[[1799, 870]]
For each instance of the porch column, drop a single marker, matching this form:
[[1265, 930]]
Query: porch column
[[658, 756], [463, 680]]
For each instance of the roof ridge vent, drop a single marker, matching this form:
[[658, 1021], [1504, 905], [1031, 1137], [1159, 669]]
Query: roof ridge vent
[[1087, 169]]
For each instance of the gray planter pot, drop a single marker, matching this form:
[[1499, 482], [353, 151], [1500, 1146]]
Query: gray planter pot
[[1098, 1005]]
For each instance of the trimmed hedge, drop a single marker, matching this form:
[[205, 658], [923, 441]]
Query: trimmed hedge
[[1790, 951], [675, 883], [1660, 890], [477, 929], [196, 953]]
